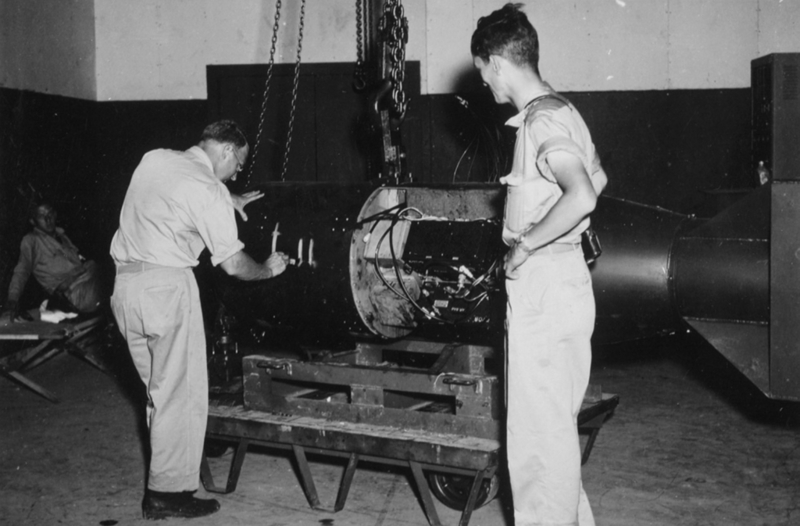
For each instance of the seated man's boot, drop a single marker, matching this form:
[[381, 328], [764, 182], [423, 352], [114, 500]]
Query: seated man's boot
[[161, 505]]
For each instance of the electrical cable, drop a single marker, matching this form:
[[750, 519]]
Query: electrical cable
[[377, 266], [481, 281], [428, 314]]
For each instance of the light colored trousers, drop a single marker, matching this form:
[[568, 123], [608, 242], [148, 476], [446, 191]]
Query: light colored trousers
[[158, 312], [550, 321]]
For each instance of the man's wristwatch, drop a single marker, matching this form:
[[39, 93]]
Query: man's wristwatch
[[521, 244]]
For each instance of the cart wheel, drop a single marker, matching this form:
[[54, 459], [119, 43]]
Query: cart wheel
[[453, 490], [215, 448]]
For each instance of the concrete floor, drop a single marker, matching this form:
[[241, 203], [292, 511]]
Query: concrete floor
[[691, 443]]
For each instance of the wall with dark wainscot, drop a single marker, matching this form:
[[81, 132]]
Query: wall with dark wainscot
[[79, 155], [675, 149]]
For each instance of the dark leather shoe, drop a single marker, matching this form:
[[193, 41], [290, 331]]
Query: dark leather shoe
[[161, 505]]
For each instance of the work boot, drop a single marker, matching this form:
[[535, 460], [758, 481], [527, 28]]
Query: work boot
[[161, 505]]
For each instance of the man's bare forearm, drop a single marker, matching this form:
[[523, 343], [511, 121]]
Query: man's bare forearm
[[242, 266]]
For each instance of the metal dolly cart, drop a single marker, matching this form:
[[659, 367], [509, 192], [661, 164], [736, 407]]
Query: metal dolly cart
[[367, 411]]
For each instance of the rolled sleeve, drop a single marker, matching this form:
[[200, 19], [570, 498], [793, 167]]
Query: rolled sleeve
[[551, 136], [596, 164], [217, 227], [218, 258]]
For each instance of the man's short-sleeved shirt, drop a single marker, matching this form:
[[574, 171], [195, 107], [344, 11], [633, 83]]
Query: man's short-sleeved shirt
[[174, 208], [51, 258], [547, 125]]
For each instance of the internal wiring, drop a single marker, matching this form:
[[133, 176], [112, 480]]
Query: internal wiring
[[462, 293], [376, 263], [428, 314]]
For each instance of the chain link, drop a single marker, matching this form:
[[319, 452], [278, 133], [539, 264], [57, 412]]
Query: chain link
[[275, 28], [359, 75], [394, 26], [294, 91]]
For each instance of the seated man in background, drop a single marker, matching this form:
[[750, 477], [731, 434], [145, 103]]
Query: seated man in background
[[48, 254]]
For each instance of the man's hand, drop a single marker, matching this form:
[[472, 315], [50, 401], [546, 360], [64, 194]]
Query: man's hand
[[577, 202], [14, 314], [240, 201], [63, 288], [12, 309], [516, 256], [276, 263]]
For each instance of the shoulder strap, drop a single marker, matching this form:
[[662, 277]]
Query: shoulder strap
[[550, 95]]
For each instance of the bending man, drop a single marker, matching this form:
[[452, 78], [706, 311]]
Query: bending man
[[176, 205]]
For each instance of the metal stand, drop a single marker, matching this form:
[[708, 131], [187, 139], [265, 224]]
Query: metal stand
[[74, 338]]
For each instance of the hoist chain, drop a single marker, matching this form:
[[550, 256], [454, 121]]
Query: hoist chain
[[275, 28], [359, 75], [394, 27], [294, 91]]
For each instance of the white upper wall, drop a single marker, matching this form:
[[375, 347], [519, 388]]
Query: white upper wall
[[611, 45], [48, 46], [159, 49], [164, 53]]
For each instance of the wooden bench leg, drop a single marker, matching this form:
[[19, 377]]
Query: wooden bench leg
[[593, 426], [83, 355], [587, 449], [347, 479], [80, 345], [233, 475], [425, 494], [305, 477], [14, 364], [33, 386], [40, 359]]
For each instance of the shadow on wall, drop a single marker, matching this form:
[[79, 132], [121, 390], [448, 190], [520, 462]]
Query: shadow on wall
[[469, 139]]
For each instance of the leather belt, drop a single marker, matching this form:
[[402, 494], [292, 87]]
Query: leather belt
[[556, 248], [141, 266]]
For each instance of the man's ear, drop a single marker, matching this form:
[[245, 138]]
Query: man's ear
[[495, 62]]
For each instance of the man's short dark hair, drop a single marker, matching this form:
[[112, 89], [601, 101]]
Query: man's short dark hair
[[507, 33], [226, 132], [33, 209]]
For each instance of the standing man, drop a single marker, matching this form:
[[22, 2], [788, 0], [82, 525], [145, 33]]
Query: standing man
[[177, 205], [552, 188]]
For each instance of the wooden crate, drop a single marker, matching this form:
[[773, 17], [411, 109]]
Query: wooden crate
[[454, 395]]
